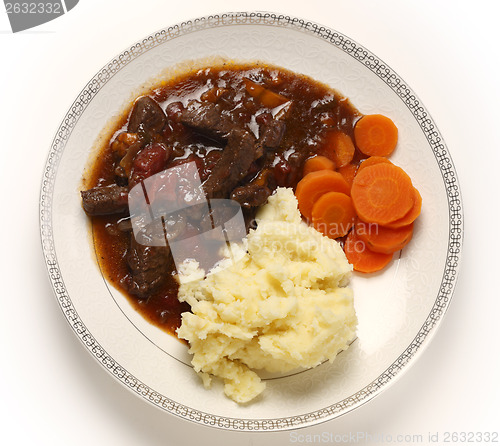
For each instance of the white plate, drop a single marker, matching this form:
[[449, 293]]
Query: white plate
[[398, 310]]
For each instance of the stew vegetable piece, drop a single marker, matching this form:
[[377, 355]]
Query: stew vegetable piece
[[248, 128]]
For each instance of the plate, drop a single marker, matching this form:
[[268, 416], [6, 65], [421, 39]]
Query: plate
[[398, 310]]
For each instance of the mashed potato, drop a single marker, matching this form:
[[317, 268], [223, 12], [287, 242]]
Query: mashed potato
[[284, 305]]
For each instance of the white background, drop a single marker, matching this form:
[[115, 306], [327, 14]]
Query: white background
[[54, 393]]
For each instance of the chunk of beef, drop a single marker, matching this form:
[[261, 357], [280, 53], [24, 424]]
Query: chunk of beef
[[249, 215], [148, 266], [233, 165], [272, 133], [174, 111], [105, 200], [251, 195], [148, 114], [207, 118], [219, 217]]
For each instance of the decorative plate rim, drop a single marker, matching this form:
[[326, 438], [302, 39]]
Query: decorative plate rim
[[393, 81]]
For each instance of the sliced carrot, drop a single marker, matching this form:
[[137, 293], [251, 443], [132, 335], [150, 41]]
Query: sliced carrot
[[265, 96], [339, 147], [270, 99], [253, 88], [373, 160], [318, 162], [382, 193], [361, 258], [333, 214], [315, 184], [382, 239], [348, 172], [411, 215], [376, 135]]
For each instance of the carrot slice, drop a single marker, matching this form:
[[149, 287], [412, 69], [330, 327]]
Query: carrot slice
[[376, 135], [382, 193], [361, 258], [382, 239], [348, 172], [266, 97], [315, 184], [333, 214], [373, 160], [270, 99], [253, 88], [318, 162], [411, 215], [339, 147]]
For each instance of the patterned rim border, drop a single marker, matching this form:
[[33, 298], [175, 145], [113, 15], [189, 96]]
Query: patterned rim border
[[393, 81]]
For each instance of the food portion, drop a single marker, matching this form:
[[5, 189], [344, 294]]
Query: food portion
[[354, 190], [284, 305], [317, 196], [248, 128]]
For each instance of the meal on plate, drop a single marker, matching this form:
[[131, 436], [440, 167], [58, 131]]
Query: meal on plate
[[314, 196]]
